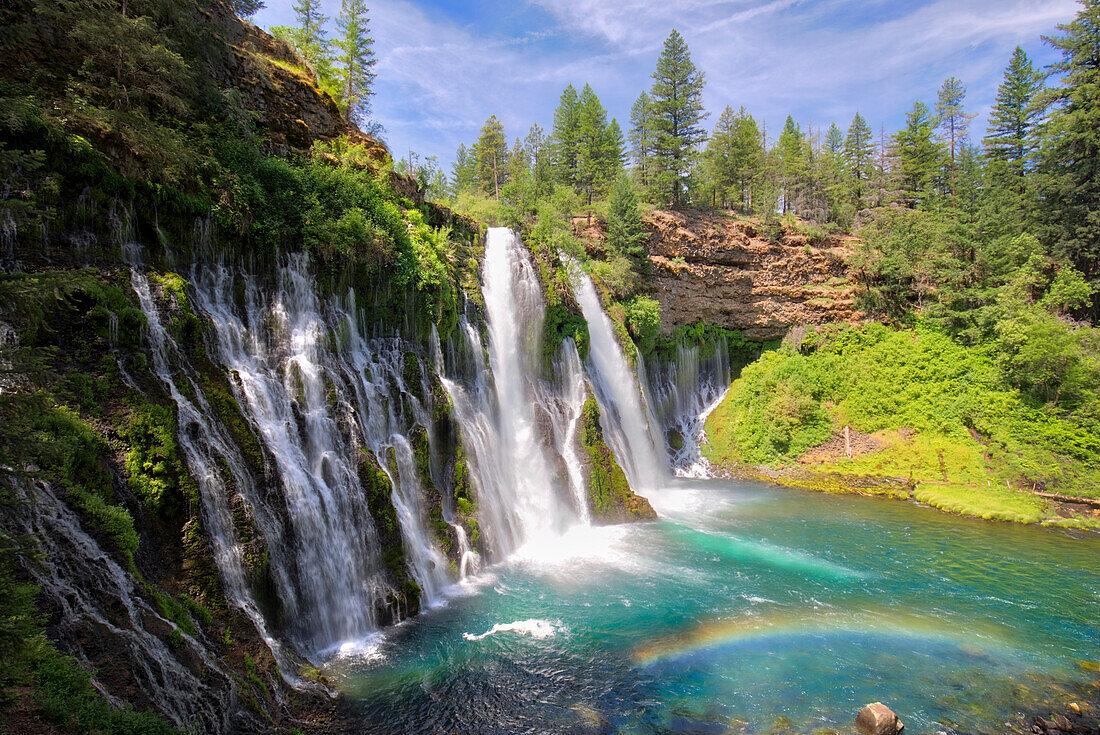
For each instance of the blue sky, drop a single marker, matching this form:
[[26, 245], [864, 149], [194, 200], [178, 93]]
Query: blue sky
[[444, 67]]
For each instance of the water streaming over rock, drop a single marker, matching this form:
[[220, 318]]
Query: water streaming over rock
[[631, 432], [683, 391], [96, 606]]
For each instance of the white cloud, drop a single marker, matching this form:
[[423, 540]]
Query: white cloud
[[440, 76]]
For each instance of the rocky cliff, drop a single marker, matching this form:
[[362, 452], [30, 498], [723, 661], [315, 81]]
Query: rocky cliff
[[741, 275]]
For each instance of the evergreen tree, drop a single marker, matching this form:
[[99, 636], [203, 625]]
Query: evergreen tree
[[563, 137], [542, 174], [677, 112], [1070, 159], [643, 139], [1012, 122], [953, 121], [859, 157], [834, 141], [491, 157], [247, 8], [793, 163], [356, 59], [464, 171], [312, 22], [595, 148], [918, 154], [625, 230]]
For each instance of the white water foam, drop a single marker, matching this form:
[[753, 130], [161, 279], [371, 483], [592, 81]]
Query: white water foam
[[534, 627]]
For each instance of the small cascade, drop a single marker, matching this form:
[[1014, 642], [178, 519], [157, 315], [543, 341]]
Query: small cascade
[[683, 392], [93, 596], [387, 411], [624, 414], [564, 406], [512, 448]]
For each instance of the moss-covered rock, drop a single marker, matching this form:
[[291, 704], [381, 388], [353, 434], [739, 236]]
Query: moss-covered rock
[[609, 495]]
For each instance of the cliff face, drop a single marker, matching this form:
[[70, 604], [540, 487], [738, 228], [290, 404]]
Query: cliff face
[[718, 270]]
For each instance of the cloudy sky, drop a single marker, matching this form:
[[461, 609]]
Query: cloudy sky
[[444, 67]]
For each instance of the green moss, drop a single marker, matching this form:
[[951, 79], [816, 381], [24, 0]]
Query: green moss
[[607, 485], [157, 472]]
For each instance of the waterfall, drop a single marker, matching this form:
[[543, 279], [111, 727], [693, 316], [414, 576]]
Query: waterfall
[[208, 448], [506, 412], [684, 391], [563, 404], [273, 348], [624, 412]]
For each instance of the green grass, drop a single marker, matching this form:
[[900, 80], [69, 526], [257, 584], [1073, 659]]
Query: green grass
[[992, 502]]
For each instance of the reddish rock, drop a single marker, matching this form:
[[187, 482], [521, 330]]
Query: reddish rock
[[878, 719], [721, 270]]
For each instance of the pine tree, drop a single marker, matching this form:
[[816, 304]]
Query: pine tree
[[918, 154], [793, 162], [953, 121], [719, 156], [677, 111], [625, 230], [464, 171], [1012, 122], [312, 23], [356, 60], [542, 174], [834, 141], [643, 139], [491, 157], [859, 153], [1070, 159], [563, 137], [594, 145]]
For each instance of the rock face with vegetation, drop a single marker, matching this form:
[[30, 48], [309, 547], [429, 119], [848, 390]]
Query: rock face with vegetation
[[610, 498], [742, 275]]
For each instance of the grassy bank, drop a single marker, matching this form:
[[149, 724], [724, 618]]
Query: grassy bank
[[920, 407]]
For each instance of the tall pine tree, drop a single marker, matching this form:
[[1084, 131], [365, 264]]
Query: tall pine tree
[[1070, 159], [953, 120], [564, 137], [1015, 115], [491, 157], [678, 112], [643, 139], [356, 59], [918, 154], [859, 157]]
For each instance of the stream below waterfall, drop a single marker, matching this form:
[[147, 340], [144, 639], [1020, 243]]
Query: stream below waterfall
[[749, 606]]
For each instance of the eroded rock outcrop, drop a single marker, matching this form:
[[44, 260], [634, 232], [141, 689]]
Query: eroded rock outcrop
[[720, 270]]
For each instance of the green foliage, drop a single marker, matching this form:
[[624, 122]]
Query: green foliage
[[156, 470], [876, 379], [356, 60], [626, 233], [643, 320], [607, 485]]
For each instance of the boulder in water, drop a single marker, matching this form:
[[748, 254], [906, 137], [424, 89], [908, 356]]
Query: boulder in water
[[878, 719]]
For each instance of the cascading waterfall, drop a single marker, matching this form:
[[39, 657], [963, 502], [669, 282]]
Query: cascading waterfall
[[374, 372], [683, 392], [624, 414], [507, 441], [563, 404], [274, 353], [300, 369], [208, 448]]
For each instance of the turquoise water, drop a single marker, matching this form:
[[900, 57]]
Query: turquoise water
[[746, 606]]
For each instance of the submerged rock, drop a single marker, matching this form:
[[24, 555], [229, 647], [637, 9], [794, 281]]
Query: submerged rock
[[878, 719]]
